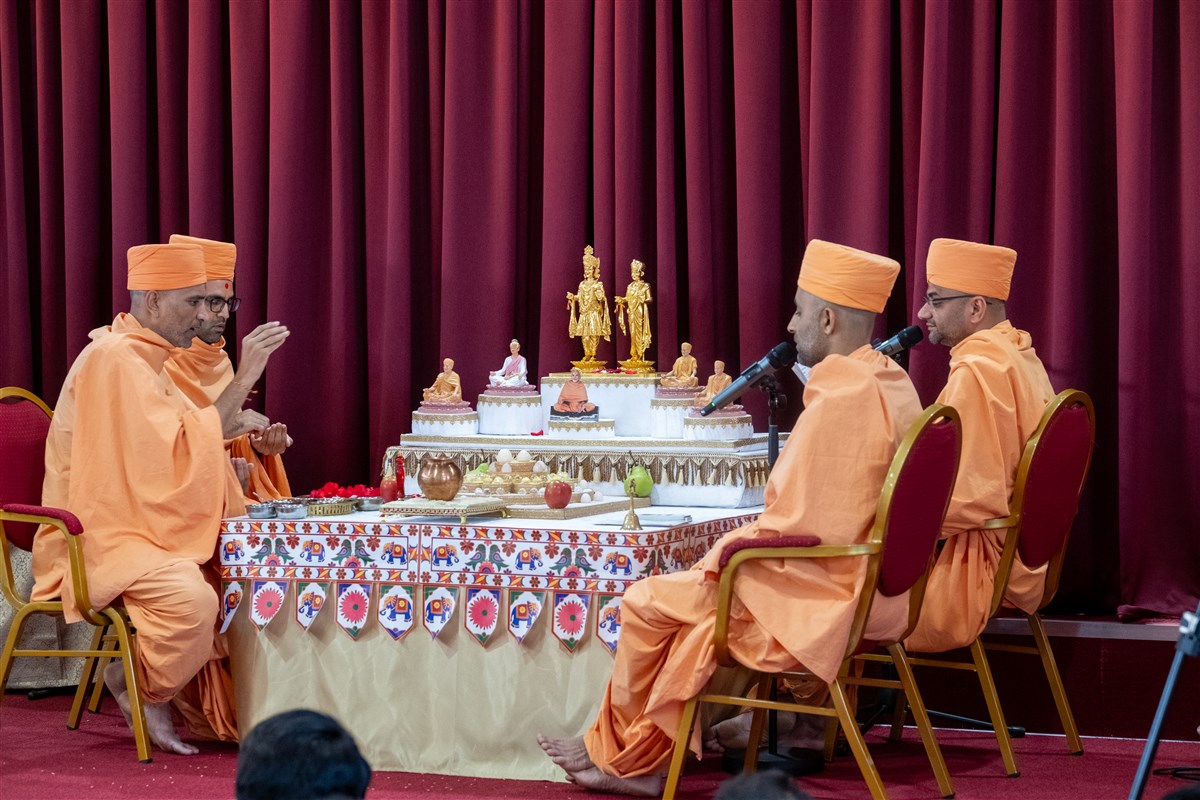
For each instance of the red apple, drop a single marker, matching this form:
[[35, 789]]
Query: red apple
[[558, 494]]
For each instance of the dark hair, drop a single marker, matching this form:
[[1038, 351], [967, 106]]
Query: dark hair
[[300, 755], [1185, 793], [769, 785]]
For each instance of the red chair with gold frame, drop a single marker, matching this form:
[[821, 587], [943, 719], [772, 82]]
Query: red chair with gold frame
[[24, 424], [1045, 499], [899, 549], [1042, 520]]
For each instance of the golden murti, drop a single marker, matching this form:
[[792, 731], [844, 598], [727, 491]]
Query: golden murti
[[683, 372], [636, 305], [590, 317]]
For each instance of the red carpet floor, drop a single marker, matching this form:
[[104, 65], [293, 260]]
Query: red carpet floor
[[40, 758]]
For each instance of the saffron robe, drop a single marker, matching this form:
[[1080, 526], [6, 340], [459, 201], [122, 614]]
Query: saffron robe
[[785, 614], [573, 398], [146, 473], [1000, 388], [203, 371]]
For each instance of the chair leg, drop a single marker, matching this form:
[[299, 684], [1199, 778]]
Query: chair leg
[[85, 679], [1074, 743], [992, 697], [899, 714], [857, 745], [101, 664], [682, 736], [831, 735], [921, 717], [137, 715], [758, 723], [10, 644]]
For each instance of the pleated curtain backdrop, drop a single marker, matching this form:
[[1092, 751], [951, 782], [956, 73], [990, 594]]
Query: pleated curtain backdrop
[[407, 181]]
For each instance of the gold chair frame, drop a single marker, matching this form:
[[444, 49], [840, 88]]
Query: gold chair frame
[[113, 628], [979, 662], [842, 712]]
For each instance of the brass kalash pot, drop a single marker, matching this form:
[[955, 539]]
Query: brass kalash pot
[[439, 477]]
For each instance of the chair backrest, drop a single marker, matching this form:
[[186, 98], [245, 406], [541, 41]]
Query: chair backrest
[[1050, 478], [915, 496], [910, 512], [24, 424]]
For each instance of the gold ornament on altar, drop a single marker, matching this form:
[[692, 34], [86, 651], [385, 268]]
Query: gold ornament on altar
[[590, 317], [683, 372], [447, 387], [636, 305], [719, 382]]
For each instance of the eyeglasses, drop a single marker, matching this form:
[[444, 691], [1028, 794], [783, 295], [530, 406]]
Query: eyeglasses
[[936, 300], [216, 303]]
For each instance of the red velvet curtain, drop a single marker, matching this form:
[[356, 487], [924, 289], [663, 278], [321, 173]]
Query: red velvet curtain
[[408, 181]]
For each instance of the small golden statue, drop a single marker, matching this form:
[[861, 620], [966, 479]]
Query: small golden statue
[[683, 372], [718, 383], [447, 387], [636, 303], [590, 317]]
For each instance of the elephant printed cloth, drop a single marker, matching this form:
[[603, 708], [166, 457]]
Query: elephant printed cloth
[[231, 599], [438, 608], [396, 611], [310, 599], [524, 608]]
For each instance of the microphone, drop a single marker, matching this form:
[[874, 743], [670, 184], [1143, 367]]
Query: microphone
[[782, 355], [901, 341]]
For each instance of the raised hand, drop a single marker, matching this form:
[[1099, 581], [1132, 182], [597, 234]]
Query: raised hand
[[241, 468], [257, 347], [272, 441], [245, 421]]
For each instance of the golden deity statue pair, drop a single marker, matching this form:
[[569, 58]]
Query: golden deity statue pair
[[591, 319]]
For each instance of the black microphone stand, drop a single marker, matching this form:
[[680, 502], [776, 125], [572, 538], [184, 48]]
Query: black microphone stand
[[1188, 645], [797, 762], [775, 401]]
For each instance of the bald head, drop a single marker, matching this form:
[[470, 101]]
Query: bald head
[[821, 328]]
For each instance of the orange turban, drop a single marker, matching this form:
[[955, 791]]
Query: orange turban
[[161, 267], [840, 274], [219, 257], [971, 268]]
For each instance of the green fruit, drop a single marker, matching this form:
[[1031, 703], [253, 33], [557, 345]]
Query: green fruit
[[639, 483]]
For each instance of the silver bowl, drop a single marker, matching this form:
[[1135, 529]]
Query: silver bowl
[[260, 511], [367, 504], [291, 510]]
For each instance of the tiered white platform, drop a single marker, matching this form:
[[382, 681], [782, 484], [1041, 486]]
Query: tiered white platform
[[454, 424], [621, 398], [711, 474], [507, 413]]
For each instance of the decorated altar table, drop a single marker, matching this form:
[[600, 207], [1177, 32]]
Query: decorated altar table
[[443, 647]]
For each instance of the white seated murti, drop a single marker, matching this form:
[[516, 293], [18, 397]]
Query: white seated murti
[[668, 409], [582, 428], [445, 419], [724, 425], [509, 410], [623, 398]]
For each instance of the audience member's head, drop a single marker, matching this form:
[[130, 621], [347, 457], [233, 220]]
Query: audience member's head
[[1186, 793], [769, 785], [301, 755]]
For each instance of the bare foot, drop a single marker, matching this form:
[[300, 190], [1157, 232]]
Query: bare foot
[[569, 753], [734, 733], [597, 781], [114, 679], [162, 731]]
